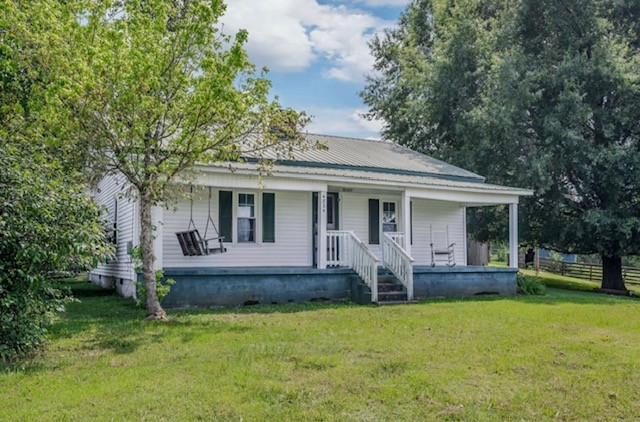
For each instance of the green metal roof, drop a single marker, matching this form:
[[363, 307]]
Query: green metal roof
[[357, 175], [374, 156]]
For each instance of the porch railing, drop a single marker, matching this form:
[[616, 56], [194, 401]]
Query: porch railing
[[397, 237], [398, 261], [345, 249]]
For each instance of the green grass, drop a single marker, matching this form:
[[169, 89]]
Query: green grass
[[566, 355], [563, 282], [558, 281]]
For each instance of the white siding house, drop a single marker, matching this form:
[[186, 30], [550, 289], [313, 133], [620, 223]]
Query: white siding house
[[356, 211], [122, 219]]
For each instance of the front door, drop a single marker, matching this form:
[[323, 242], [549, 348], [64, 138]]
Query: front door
[[333, 219]]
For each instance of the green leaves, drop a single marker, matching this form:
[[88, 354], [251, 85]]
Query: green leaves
[[539, 94], [47, 224]]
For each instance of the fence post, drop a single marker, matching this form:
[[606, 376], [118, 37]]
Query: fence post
[[590, 271]]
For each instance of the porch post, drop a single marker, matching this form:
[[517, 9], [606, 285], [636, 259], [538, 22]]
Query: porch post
[[406, 221], [322, 229], [513, 235]]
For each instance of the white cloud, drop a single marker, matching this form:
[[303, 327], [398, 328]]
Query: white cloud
[[343, 121], [290, 35], [380, 3]]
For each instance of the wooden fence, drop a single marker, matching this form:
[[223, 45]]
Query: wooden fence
[[591, 272]]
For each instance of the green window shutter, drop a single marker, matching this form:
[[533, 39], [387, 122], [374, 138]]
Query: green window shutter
[[411, 220], [225, 215], [374, 221], [269, 217]]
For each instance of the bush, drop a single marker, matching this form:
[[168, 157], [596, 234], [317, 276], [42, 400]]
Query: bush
[[530, 285], [163, 286], [47, 224]]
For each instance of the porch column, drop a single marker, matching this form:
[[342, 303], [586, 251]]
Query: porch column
[[322, 229], [513, 235], [406, 220]]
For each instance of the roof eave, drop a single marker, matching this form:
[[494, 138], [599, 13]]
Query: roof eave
[[480, 188]]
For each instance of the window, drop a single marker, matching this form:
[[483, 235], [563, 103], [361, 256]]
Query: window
[[246, 218], [389, 217]]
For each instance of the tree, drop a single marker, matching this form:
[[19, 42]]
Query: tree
[[154, 87], [47, 221], [543, 94], [47, 224]]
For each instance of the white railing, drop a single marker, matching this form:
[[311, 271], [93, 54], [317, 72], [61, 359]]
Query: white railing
[[338, 248], [344, 249], [396, 259], [397, 237]]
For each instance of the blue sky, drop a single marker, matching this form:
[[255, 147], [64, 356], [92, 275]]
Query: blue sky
[[317, 54]]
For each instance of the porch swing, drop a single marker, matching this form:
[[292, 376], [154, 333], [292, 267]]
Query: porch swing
[[192, 243]]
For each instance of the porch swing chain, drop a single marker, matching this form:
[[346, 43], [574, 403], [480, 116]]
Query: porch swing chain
[[191, 223], [209, 219]]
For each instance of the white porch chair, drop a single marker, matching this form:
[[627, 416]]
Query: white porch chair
[[442, 250]]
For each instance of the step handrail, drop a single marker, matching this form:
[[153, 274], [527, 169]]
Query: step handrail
[[346, 249], [398, 261]]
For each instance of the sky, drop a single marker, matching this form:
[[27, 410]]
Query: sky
[[317, 54]]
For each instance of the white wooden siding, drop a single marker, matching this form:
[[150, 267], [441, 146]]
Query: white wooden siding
[[354, 209], [292, 230], [439, 213], [106, 192]]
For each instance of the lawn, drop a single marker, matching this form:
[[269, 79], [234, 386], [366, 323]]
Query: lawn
[[566, 355]]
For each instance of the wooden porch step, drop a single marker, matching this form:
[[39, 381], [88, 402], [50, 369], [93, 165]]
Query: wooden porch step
[[390, 287], [386, 278]]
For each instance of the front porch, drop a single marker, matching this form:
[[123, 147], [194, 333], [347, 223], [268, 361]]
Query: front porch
[[416, 237], [204, 287], [332, 244]]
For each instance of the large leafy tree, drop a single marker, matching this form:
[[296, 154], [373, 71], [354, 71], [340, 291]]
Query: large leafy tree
[[154, 87], [47, 221], [542, 94]]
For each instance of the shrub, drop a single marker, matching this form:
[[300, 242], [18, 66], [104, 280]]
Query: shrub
[[163, 286], [47, 224], [530, 285]]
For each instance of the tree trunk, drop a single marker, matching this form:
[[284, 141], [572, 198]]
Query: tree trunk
[[612, 273], [154, 309]]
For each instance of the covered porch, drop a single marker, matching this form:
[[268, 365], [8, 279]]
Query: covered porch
[[416, 240]]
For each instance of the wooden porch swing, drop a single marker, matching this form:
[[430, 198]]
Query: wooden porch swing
[[192, 243]]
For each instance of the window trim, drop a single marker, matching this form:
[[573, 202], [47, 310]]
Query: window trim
[[382, 223], [255, 218]]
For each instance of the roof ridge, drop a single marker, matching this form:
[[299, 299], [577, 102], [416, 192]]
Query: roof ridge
[[353, 137]]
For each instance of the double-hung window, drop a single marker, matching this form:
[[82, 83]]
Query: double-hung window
[[246, 218], [389, 217]]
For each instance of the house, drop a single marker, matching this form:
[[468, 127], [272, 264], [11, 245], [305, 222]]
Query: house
[[365, 219]]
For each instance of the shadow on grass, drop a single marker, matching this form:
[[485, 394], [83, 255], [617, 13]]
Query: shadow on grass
[[103, 322], [101, 306], [117, 324]]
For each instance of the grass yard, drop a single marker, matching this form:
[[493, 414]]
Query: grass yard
[[564, 282], [567, 355]]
